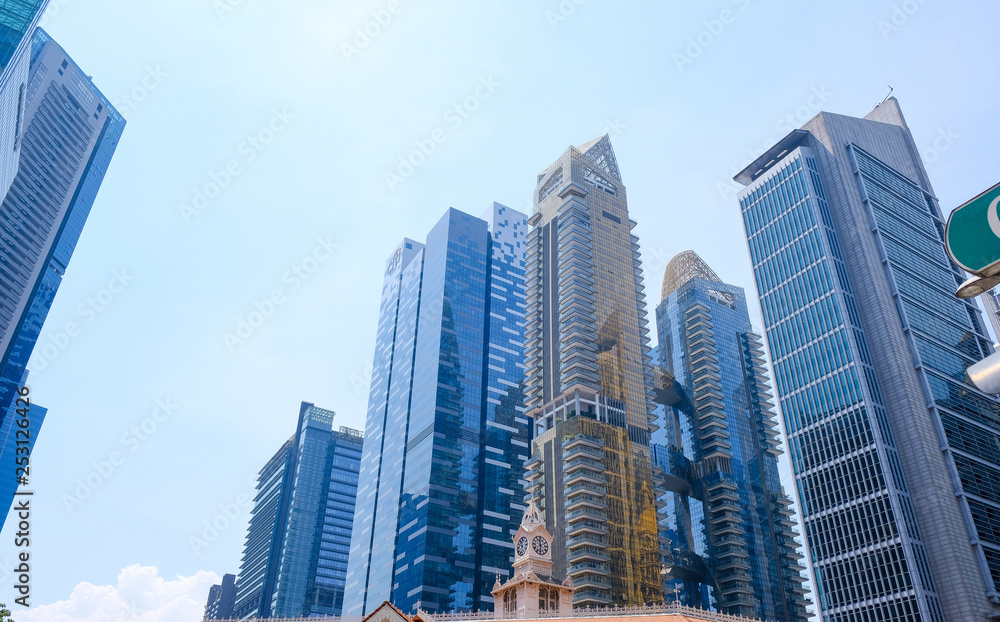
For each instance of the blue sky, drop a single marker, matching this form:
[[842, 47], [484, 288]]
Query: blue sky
[[298, 133]]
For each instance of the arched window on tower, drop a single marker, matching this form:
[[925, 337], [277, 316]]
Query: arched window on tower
[[553, 599], [543, 599]]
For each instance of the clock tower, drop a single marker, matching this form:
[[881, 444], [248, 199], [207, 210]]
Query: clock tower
[[532, 589]]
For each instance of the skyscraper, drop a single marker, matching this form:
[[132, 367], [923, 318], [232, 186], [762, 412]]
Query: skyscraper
[[295, 557], [220, 599], [18, 19], [446, 435], [991, 300], [589, 381], [718, 446], [70, 132], [895, 454]]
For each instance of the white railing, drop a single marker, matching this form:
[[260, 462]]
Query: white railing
[[583, 612], [595, 612]]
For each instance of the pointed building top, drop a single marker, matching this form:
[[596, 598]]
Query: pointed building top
[[599, 150], [682, 268]]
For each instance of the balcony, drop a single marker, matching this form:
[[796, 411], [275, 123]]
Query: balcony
[[592, 567], [584, 513], [586, 539], [592, 598], [586, 526], [586, 501], [587, 553], [584, 487], [590, 580], [584, 475], [583, 450], [584, 463]]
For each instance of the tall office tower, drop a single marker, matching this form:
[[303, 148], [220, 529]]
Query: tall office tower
[[70, 131], [255, 582], [722, 441], [295, 557], [220, 599], [446, 435], [589, 381], [991, 300], [895, 454], [683, 540], [18, 19]]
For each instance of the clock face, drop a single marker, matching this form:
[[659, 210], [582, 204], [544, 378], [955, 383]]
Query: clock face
[[540, 544], [522, 545]]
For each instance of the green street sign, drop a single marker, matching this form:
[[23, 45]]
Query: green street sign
[[973, 233]]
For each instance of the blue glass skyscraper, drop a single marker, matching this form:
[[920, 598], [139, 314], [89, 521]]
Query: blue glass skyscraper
[[894, 452], [18, 19], [69, 135], [299, 537], [718, 445], [446, 438]]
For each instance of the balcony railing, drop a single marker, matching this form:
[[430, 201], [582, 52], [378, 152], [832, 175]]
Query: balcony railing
[[585, 612]]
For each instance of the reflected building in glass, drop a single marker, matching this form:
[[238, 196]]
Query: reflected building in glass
[[446, 434], [589, 383], [729, 525], [895, 454], [295, 557]]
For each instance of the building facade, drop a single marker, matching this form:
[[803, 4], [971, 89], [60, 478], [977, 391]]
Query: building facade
[[893, 451], [220, 599], [18, 19], [991, 300], [66, 140], [446, 435], [589, 383], [295, 558], [720, 441]]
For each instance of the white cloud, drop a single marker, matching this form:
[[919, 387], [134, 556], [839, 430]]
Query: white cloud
[[141, 595]]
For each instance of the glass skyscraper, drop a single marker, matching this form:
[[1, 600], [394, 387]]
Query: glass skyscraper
[[589, 383], [18, 19], [295, 557], [70, 132], [446, 435], [718, 445], [220, 599], [894, 452], [991, 300]]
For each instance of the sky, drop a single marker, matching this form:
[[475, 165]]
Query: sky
[[266, 151]]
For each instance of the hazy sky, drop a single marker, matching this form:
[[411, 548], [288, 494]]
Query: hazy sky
[[290, 121]]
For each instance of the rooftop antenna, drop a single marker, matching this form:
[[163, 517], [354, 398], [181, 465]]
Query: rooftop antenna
[[886, 97]]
